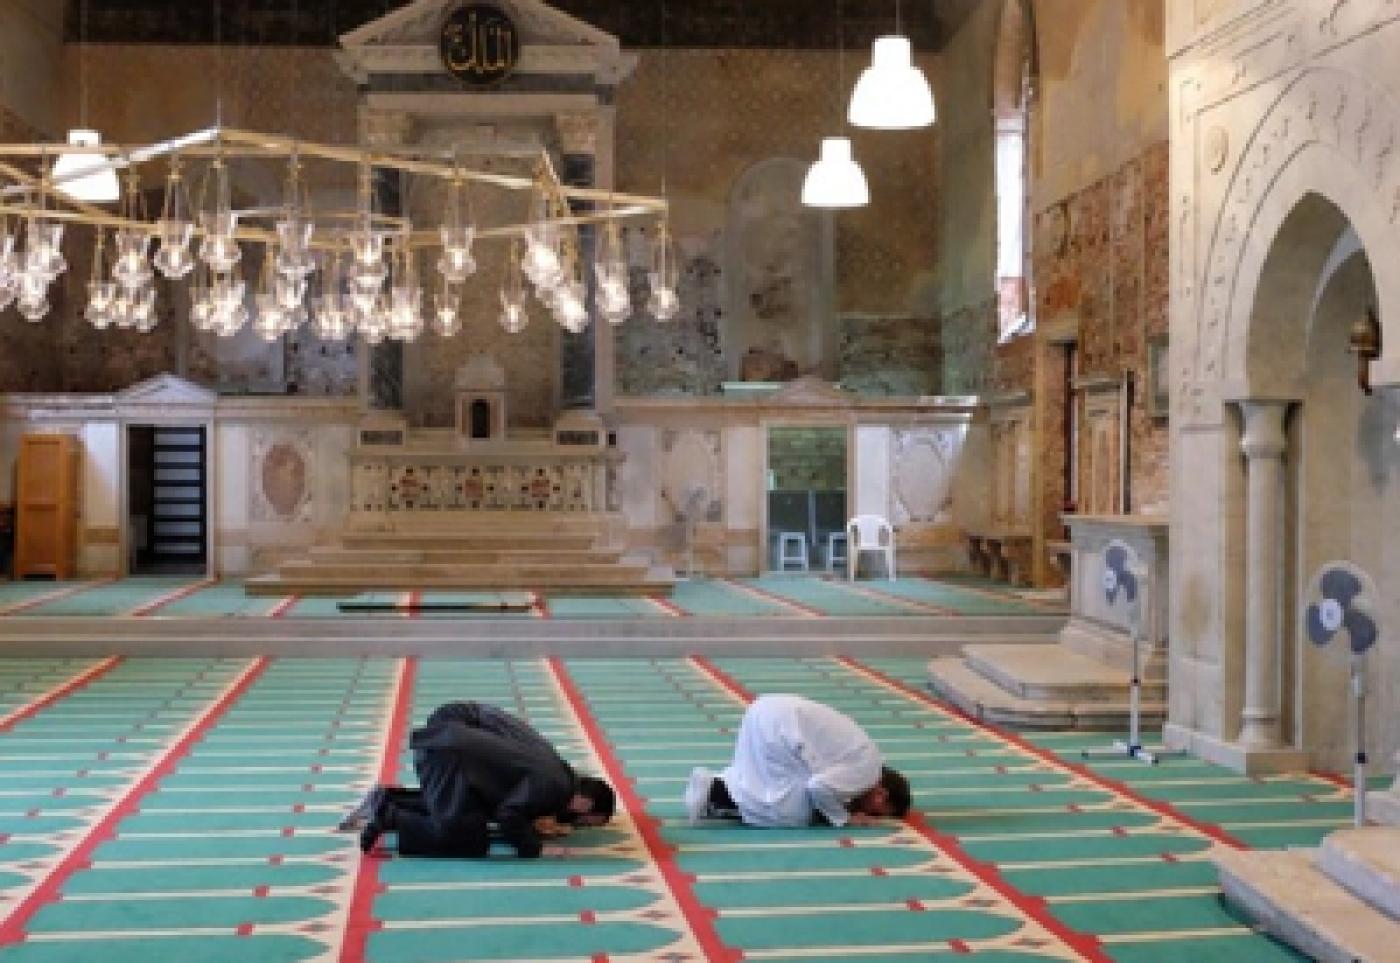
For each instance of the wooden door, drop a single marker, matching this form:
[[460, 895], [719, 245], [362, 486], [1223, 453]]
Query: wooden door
[[46, 506]]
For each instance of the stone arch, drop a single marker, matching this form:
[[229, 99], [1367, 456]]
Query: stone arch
[[779, 270], [1318, 160]]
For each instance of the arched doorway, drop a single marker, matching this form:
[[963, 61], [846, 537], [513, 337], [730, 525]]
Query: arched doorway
[[1337, 465]]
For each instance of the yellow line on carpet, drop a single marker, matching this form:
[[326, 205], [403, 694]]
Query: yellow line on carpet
[[1100, 861], [1124, 897], [978, 900], [1163, 936]]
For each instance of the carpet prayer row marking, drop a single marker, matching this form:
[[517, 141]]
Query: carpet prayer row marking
[[772, 596], [183, 809]]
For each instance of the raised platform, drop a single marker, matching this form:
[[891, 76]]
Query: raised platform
[[548, 552], [1339, 903], [1042, 687]]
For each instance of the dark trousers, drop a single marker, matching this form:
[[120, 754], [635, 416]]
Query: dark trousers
[[443, 818]]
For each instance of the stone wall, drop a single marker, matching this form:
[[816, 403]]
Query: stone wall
[[968, 229], [1098, 229], [1107, 280], [885, 355], [706, 119]]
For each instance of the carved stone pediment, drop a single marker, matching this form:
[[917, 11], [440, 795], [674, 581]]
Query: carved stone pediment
[[810, 390], [552, 42], [419, 23], [165, 393], [481, 373]]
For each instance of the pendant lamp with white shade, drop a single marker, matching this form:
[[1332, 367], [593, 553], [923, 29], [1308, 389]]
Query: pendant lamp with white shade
[[86, 176], [892, 93], [835, 180]]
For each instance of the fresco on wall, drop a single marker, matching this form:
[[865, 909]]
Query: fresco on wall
[[779, 290]]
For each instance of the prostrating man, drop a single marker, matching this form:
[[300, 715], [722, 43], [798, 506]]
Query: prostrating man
[[798, 762], [480, 765]]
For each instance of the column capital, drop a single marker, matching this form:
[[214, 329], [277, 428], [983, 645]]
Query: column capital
[[578, 132], [381, 128], [1264, 436]]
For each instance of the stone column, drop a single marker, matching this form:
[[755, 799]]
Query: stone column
[[578, 142], [1264, 444]]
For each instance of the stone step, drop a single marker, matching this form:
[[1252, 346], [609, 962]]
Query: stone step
[[333, 555], [467, 541], [654, 581], [304, 568], [1366, 863], [486, 522], [957, 681], [1287, 896], [1058, 675]]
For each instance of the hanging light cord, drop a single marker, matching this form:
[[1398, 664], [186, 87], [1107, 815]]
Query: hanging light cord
[[218, 64], [82, 65], [665, 102], [840, 61]]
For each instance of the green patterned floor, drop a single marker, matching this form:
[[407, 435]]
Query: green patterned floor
[[181, 809], [775, 596]]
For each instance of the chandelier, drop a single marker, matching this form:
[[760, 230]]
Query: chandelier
[[358, 272]]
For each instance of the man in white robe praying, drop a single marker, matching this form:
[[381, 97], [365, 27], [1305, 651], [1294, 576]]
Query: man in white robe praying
[[798, 762]]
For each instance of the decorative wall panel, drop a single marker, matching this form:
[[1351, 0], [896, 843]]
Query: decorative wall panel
[[924, 461], [283, 474], [692, 466]]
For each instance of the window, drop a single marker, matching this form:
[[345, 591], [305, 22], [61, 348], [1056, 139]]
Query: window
[[1011, 97]]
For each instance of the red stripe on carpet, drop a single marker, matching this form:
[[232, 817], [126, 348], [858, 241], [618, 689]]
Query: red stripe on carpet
[[1033, 909], [59, 691], [697, 915], [725, 680], [161, 602], [1333, 778], [360, 921], [1209, 830], [48, 889], [54, 596], [667, 606], [283, 607], [805, 611]]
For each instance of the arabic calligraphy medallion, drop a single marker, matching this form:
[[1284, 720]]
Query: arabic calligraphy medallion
[[480, 44]]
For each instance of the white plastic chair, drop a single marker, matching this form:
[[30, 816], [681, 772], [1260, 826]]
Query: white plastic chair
[[869, 533]]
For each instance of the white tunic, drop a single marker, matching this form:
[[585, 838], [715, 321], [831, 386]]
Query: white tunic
[[794, 756]]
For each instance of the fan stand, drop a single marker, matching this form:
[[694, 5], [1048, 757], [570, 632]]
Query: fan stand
[[1133, 748], [1358, 697]]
